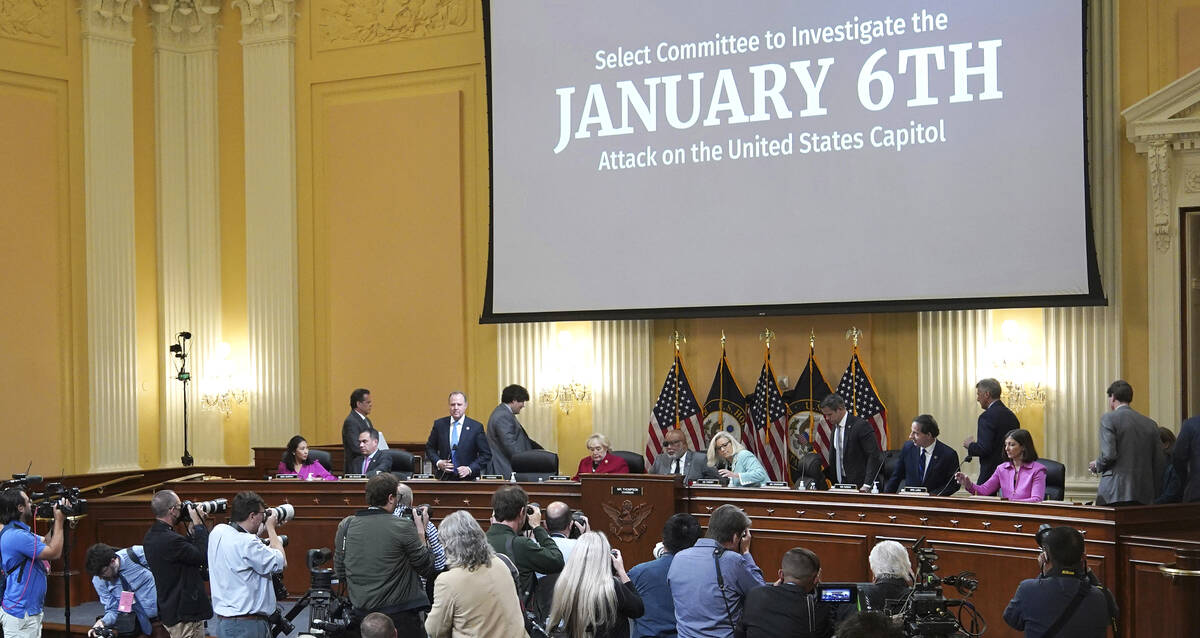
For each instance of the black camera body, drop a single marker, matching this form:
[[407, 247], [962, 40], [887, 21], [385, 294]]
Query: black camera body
[[529, 509], [105, 632], [408, 511], [51, 494], [926, 612]]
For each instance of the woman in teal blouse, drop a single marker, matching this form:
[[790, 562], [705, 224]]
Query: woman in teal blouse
[[734, 462]]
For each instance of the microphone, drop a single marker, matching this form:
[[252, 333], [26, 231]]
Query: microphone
[[942, 491], [877, 471]]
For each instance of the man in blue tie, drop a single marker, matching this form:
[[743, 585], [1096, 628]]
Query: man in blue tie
[[457, 445], [925, 461]]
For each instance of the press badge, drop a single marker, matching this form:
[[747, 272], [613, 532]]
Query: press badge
[[126, 604]]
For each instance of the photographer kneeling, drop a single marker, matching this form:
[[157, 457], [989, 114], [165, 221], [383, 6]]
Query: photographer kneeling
[[240, 568], [1064, 600], [382, 558], [115, 571]]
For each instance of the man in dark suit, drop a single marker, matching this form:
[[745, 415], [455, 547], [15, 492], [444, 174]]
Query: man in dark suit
[[787, 608], [1131, 458], [678, 459], [356, 423], [370, 459], [505, 435], [177, 562], [1187, 459], [857, 458], [995, 422], [457, 445], [925, 461]]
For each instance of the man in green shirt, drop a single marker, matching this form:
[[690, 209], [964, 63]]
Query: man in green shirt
[[531, 551]]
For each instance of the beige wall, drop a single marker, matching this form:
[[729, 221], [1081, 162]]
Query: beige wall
[[392, 245]]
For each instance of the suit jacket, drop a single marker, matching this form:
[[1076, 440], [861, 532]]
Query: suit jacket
[[1186, 458], [939, 477], [472, 451], [994, 423], [175, 561], [862, 456], [610, 464], [506, 437], [351, 428], [695, 465], [381, 462], [1131, 459]]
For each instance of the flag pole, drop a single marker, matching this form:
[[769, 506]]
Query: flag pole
[[721, 385], [812, 418], [766, 336], [853, 333], [676, 337]]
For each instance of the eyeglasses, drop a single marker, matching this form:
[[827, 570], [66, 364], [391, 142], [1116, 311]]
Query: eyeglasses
[[595, 448], [721, 446]]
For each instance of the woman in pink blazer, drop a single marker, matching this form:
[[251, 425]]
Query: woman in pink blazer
[[296, 461], [1021, 478]]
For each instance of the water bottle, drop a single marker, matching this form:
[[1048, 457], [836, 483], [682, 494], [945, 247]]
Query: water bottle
[[800, 485]]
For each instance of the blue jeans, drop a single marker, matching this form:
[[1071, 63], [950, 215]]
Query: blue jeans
[[243, 628]]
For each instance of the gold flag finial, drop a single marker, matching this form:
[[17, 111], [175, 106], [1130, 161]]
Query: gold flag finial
[[853, 334], [722, 341], [676, 338], [812, 338], [766, 336]]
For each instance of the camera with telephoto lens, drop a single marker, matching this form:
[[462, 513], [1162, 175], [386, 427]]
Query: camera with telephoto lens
[[529, 510], [283, 540], [281, 513], [208, 508], [926, 612], [49, 499], [407, 511]]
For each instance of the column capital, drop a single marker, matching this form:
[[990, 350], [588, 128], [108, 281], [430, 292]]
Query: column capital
[[111, 19], [267, 20], [185, 25]]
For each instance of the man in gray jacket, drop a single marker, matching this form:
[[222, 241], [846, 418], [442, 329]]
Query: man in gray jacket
[[505, 434], [1131, 458], [678, 459], [381, 558]]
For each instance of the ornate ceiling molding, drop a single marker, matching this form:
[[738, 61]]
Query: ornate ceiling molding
[[111, 19], [349, 23], [186, 23], [40, 22], [267, 20]]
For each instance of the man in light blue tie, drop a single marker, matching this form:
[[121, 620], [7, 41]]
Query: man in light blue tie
[[457, 446]]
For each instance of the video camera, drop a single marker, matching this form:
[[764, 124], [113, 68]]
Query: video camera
[[329, 614], [47, 500], [926, 612]]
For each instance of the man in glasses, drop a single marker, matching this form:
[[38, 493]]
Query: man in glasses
[[240, 569], [678, 459], [177, 563]]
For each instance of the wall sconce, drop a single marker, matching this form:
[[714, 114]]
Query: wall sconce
[[220, 390], [569, 393], [1023, 386]]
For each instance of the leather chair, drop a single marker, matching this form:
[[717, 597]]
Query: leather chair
[[637, 463], [402, 462], [891, 458], [323, 457], [535, 465], [1056, 479]]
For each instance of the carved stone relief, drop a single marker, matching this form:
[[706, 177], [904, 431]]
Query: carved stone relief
[[349, 23], [40, 21], [1160, 193], [184, 22], [108, 18]]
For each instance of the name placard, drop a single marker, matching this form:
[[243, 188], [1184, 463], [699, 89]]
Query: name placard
[[557, 477], [285, 477], [491, 477], [627, 491], [422, 477], [354, 477], [777, 485], [707, 481], [849, 487], [913, 490]]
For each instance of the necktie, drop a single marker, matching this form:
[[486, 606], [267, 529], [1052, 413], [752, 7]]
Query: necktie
[[454, 443], [366, 462], [924, 462], [676, 470], [841, 440]]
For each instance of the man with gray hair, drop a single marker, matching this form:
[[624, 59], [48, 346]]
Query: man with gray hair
[[177, 563], [678, 459], [995, 422], [457, 446], [709, 581]]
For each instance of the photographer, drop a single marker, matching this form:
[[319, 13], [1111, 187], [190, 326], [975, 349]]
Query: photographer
[[240, 568], [25, 558], [510, 532], [1064, 600], [177, 563], [115, 572], [564, 527], [382, 558]]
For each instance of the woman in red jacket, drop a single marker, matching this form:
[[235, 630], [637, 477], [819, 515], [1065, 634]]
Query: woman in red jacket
[[598, 460]]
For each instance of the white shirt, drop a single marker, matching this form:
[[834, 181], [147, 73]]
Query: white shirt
[[239, 572]]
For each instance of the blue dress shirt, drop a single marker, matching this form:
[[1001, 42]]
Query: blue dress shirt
[[650, 580], [130, 577], [25, 589], [239, 572], [700, 606]]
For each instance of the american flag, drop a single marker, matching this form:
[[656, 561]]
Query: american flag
[[768, 414], [862, 400], [676, 407]]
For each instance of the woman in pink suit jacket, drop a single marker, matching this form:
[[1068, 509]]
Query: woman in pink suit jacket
[[1021, 478], [598, 460], [296, 461]]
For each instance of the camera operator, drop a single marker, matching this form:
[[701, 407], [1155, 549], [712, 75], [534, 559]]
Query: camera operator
[[240, 568], [177, 563], [382, 558], [509, 534], [1064, 600], [115, 572], [25, 558]]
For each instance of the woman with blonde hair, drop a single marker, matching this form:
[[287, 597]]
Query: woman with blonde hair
[[594, 597], [476, 596], [734, 462]]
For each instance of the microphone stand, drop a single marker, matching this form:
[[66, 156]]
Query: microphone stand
[[956, 471]]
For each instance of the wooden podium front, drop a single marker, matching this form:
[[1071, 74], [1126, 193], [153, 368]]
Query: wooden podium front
[[631, 509]]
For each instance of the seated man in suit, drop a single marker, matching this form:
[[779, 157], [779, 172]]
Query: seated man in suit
[[678, 459], [925, 461], [505, 435], [457, 445], [370, 460], [856, 457]]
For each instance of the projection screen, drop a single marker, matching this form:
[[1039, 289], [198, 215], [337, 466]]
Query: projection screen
[[707, 157]]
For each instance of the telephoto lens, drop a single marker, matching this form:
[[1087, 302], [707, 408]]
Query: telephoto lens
[[208, 507], [282, 513]]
